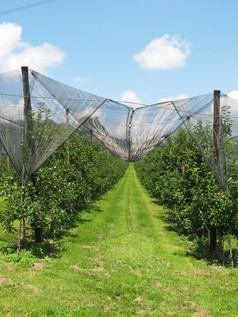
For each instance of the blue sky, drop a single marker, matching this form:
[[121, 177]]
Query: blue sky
[[133, 50]]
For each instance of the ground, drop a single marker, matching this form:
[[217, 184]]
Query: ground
[[121, 260]]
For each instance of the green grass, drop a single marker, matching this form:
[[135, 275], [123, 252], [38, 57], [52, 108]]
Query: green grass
[[121, 260], [2, 201]]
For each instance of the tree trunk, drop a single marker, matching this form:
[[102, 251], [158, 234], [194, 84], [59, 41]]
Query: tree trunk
[[23, 242], [38, 235], [213, 238], [220, 250]]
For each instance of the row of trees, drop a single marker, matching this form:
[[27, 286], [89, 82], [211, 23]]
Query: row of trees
[[59, 191], [178, 176]]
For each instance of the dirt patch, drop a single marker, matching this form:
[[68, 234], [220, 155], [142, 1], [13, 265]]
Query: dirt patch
[[188, 305], [182, 273], [39, 265], [31, 287], [10, 268], [76, 268], [159, 284], [138, 300], [136, 271], [98, 260], [88, 247], [201, 272], [202, 313], [218, 269], [147, 312], [97, 270], [5, 281]]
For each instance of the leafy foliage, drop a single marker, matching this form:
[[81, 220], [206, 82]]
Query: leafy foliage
[[60, 190], [178, 176]]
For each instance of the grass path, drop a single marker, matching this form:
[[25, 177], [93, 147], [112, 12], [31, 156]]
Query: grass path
[[121, 261]]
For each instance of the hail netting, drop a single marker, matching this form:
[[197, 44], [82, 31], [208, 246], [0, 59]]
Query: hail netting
[[34, 112], [214, 130], [110, 124], [32, 127]]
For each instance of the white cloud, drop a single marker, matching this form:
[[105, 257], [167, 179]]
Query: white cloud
[[232, 102], [233, 94], [180, 97], [12, 111], [15, 53], [130, 98], [165, 52]]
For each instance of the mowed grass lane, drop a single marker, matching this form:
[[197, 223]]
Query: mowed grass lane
[[120, 261]]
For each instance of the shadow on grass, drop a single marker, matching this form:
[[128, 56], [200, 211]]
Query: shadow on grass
[[52, 245], [48, 248], [95, 208], [197, 247], [200, 251]]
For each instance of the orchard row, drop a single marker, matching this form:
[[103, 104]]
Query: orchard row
[[178, 177], [60, 190]]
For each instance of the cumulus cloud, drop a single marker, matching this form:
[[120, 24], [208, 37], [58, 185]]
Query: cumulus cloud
[[233, 94], [130, 98], [165, 52], [180, 97], [15, 53]]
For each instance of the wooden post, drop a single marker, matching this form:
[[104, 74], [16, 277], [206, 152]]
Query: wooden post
[[8, 159], [67, 125], [29, 144], [91, 138], [102, 146], [216, 123], [188, 123], [67, 117], [216, 128], [166, 139], [27, 113]]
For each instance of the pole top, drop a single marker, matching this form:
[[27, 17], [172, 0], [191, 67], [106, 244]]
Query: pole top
[[216, 92], [24, 67]]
